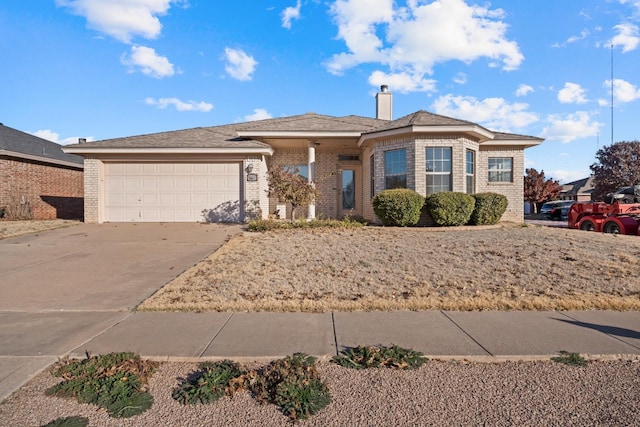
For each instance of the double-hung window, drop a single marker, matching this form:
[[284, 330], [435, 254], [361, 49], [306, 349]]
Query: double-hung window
[[438, 168], [500, 169], [395, 169], [470, 171]]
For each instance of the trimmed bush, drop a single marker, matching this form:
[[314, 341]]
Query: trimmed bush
[[450, 208], [398, 207], [489, 208]]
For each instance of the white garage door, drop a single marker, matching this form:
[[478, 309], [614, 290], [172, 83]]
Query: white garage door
[[172, 192]]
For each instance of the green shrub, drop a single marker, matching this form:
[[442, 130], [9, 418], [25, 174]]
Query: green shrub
[[398, 207], [114, 381], [449, 208], [488, 209], [292, 383], [210, 383], [379, 356]]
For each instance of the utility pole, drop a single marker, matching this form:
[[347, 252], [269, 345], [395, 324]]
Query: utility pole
[[612, 94]]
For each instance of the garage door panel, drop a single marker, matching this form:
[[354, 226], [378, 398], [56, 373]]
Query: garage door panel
[[172, 192]]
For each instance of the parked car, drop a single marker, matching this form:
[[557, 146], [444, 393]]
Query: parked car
[[547, 207], [561, 210]]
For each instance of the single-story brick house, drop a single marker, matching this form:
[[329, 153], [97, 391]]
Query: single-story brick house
[[580, 190], [37, 173], [219, 173]]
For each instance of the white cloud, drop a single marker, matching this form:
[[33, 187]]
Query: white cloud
[[460, 78], [603, 102], [402, 82], [627, 37], [583, 35], [623, 91], [148, 62], [179, 105], [258, 114], [240, 66], [411, 40], [122, 19], [52, 136], [494, 113], [524, 90], [291, 13], [572, 93], [569, 127]]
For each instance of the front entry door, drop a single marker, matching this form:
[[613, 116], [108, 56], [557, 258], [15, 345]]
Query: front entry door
[[349, 191]]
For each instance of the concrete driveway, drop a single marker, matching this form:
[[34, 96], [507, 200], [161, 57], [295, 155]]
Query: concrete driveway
[[100, 266], [61, 288]]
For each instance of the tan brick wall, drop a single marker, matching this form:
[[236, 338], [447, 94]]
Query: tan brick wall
[[256, 192], [93, 170], [327, 165], [416, 175], [512, 190], [52, 191]]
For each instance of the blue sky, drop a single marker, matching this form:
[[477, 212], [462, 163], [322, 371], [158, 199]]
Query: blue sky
[[110, 68]]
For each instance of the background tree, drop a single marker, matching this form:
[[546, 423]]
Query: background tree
[[538, 190], [618, 166], [290, 187]]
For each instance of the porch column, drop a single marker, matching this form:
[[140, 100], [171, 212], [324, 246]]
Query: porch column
[[311, 159]]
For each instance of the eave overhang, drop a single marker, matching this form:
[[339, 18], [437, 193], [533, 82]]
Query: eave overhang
[[14, 154], [477, 132], [96, 150]]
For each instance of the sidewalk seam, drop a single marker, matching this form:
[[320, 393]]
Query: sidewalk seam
[[467, 334], [206, 347], [335, 335], [131, 313]]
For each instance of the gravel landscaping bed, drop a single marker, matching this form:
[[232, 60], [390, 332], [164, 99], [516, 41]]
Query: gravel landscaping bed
[[439, 393], [385, 268]]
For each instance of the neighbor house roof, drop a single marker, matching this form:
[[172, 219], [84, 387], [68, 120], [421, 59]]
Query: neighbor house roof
[[15, 143], [581, 186]]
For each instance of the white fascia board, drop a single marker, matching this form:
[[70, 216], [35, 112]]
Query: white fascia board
[[526, 143], [298, 134], [478, 131], [84, 150], [40, 159]]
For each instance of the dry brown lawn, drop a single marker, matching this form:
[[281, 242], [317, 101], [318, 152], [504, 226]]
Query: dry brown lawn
[[18, 228], [380, 268]]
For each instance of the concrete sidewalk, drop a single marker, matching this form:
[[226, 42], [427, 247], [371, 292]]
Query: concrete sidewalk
[[484, 336]]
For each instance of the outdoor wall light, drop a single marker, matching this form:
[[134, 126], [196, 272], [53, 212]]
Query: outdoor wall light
[[249, 168]]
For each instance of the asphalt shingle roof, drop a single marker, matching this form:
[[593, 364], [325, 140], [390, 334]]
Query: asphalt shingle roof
[[15, 141]]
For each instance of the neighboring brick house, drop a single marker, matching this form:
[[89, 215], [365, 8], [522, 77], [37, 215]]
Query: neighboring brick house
[[580, 190], [37, 173], [219, 173]]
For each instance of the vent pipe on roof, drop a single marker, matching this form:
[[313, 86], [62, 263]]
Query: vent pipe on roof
[[384, 104]]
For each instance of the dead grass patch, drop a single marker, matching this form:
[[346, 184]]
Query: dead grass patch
[[18, 228], [379, 268]]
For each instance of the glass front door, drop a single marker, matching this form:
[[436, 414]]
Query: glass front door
[[349, 191]]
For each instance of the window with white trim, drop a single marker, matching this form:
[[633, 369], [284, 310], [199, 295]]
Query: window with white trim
[[395, 169], [500, 169], [470, 171], [438, 168]]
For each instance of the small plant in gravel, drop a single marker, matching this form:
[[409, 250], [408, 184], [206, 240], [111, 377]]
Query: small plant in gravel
[[210, 383], [293, 384], [363, 357], [573, 359], [114, 381], [74, 421]]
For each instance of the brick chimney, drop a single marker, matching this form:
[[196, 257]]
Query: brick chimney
[[384, 104]]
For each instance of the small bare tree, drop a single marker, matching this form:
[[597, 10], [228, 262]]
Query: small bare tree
[[290, 187], [18, 208]]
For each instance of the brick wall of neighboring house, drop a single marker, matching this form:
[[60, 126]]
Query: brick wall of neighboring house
[[53, 191]]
